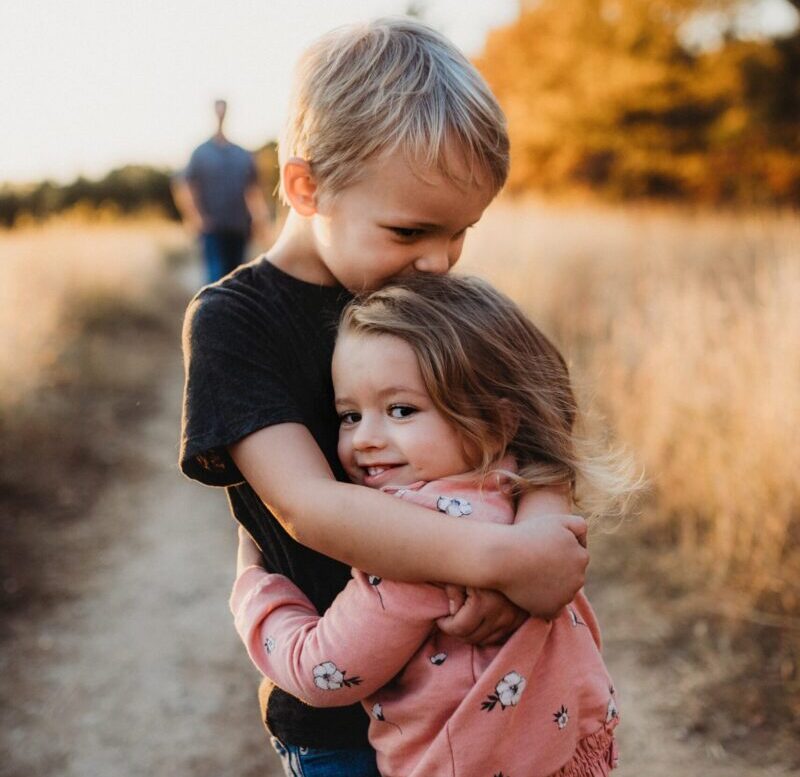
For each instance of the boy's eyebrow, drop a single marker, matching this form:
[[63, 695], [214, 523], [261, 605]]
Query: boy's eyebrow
[[411, 224]]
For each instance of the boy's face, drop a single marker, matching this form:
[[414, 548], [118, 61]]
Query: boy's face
[[392, 222], [390, 433]]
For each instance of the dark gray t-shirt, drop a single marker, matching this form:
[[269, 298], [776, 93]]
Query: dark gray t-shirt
[[219, 174], [258, 348]]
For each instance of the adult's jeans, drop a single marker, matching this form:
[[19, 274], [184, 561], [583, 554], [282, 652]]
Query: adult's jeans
[[222, 252]]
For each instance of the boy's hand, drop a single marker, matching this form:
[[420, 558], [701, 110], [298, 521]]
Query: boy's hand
[[480, 616], [248, 554], [545, 563]]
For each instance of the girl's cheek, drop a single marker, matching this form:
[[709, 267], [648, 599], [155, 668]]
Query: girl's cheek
[[343, 449]]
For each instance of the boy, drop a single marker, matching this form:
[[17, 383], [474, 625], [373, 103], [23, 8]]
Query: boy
[[394, 147]]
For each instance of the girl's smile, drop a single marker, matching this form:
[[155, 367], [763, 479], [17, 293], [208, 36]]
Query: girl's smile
[[390, 433]]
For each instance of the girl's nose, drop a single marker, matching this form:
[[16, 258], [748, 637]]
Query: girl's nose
[[367, 435]]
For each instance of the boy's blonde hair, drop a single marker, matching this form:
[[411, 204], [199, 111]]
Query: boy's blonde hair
[[499, 381], [392, 84]]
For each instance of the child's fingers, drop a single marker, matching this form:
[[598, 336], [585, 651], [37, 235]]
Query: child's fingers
[[456, 596], [577, 525], [466, 622], [503, 625]]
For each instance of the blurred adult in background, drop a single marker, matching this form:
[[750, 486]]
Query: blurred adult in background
[[220, 200]]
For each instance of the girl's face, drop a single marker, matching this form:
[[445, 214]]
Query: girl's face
[[390, 433]]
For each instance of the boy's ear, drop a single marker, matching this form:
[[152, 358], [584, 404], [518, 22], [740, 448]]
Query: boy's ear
[[299, 186]]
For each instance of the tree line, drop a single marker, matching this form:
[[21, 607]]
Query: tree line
[[613, 96], [608, 96], [127, 190]]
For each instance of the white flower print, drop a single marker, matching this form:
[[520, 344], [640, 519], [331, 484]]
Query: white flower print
[[269, 644], [453, 505], [574, 618], [510, 688], [561, 717], [375, 581], [377, 713], [611, 712], [439, 659], [507, 692], [328, 677]]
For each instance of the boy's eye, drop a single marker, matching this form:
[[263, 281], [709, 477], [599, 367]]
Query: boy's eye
[[406, 232], [401, 411], [349, 418]]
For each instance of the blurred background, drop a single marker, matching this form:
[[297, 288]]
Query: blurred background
[[650, 225]]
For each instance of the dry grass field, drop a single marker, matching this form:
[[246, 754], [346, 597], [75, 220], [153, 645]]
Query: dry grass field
[[683, 331], [55, 274]]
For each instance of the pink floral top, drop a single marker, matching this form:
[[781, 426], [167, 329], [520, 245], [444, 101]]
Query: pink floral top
[[542, 704]]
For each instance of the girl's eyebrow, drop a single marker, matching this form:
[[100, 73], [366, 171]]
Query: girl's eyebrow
[[390, 390], [387, 392]]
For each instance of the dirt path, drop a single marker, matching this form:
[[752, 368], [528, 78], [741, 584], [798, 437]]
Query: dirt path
[[139, 672], [654, 741]]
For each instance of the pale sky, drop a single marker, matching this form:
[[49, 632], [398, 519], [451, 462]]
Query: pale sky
[[88, 85]]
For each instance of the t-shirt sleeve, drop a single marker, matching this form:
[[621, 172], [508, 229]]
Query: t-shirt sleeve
[[235, 382]]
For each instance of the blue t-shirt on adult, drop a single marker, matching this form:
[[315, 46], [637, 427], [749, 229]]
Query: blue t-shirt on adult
[[219, 173]]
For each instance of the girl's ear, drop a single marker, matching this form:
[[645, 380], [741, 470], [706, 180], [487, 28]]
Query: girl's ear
[[299, 186]]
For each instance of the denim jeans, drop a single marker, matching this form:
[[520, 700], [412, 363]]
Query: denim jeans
[[313, 762], [222, 252]]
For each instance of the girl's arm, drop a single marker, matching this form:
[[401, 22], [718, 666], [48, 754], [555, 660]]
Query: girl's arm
[[365, 637], [539, 564]]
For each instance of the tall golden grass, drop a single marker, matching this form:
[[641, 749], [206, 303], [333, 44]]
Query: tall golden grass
[[687, 328], [50, 273]]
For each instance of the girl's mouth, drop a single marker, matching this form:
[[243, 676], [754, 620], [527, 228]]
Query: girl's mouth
[[378, 475]]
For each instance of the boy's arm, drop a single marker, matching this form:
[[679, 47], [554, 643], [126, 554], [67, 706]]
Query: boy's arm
[[366, 636], [487, 617], [538, 564]]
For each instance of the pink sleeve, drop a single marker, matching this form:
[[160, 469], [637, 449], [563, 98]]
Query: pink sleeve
[[367, 635]]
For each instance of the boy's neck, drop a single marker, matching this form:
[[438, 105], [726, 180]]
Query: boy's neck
[[296, 254]]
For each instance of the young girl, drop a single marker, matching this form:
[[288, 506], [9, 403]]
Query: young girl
[[449, 398]]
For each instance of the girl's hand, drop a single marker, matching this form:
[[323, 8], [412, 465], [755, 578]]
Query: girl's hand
[[480, 616], [248, 554]]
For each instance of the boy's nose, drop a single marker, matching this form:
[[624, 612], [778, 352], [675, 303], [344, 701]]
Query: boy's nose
[[438, 262]]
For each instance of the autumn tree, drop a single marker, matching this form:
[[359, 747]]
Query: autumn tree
[[608, 95]]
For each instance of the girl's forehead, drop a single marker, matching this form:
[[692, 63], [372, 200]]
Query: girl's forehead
[[379, 359], [372, 346]]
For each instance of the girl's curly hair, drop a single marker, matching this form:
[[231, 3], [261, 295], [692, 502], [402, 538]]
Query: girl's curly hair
[[500, 381]]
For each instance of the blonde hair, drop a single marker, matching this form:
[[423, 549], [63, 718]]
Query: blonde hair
[[392, 84], [501, 383]]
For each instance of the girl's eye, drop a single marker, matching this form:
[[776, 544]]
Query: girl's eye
[[401, 411], [349, 418], [406, 232]]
